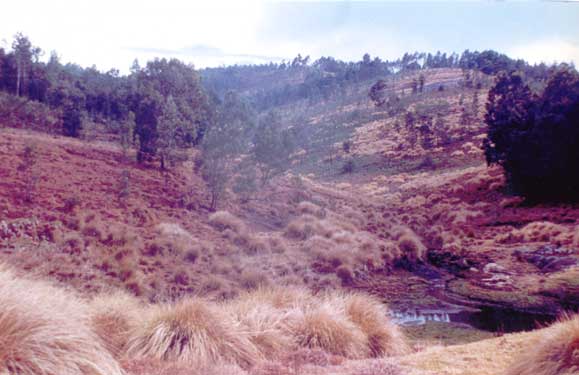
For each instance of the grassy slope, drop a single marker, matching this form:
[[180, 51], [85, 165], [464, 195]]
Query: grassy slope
[[463, 205]]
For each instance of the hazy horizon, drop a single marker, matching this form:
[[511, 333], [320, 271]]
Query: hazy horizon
[[112, 34]]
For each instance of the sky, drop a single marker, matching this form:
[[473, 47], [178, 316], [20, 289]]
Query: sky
[[112, 33]]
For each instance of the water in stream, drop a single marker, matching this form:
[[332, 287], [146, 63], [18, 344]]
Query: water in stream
[[487, 318]]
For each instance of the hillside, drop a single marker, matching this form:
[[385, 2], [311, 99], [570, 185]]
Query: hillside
[[418, 221]]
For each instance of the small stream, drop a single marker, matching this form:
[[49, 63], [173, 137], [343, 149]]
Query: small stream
[[491, 319]]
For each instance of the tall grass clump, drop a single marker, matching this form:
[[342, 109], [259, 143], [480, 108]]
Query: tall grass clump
[[556, 352], [44, 330], [194, 331]]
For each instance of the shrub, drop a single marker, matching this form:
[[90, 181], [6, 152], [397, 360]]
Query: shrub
[[349, 166], [553, 353], [181, 277], [74, 244], [191, 255], [165, 246], [43, 331], [345, 273], [93, 229]]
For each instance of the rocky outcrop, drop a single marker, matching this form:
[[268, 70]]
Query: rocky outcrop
[[548, 258]]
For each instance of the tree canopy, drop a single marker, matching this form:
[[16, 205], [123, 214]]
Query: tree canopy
[[535, 137]]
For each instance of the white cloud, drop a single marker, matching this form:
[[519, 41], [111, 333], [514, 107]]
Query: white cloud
[[104, 32], [547, 51], [111, 33]]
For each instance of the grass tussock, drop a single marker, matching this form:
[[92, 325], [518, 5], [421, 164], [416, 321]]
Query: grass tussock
[[309, 208], [539, 231], [370, 315], [194, 331], [563, 285], [556, 352], [266, 323], [323, 328], [112, 317], [222, 220], [411, 247], [45, 330]]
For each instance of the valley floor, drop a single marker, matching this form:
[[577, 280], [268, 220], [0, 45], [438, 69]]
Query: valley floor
[[88, 218]]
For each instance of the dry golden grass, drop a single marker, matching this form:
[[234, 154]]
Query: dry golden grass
[[554, 352], [223, 220], [253, 279], [370, 315], [194, 331], [326, 329], [148, 366], [411, 247], [563, 284], [309, 208], [266, 323], [250, 244], [542, 231], [280, 298], [44, 330], [113, 316], [486, 357], [301, 228], [277, 245], [576, 237]]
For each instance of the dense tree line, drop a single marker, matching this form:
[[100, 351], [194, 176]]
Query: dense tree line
[[162, 105], [535, 136], [275, 84]]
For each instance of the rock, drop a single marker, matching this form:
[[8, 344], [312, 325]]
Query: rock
[[494, 268], [18, 228], [449, 261], [498, 281], [548, 258]]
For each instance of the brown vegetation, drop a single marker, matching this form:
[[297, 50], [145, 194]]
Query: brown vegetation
[[555, 352], [44, 330]]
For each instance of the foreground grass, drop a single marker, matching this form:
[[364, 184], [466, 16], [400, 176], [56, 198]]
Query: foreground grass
[[487, 357]]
